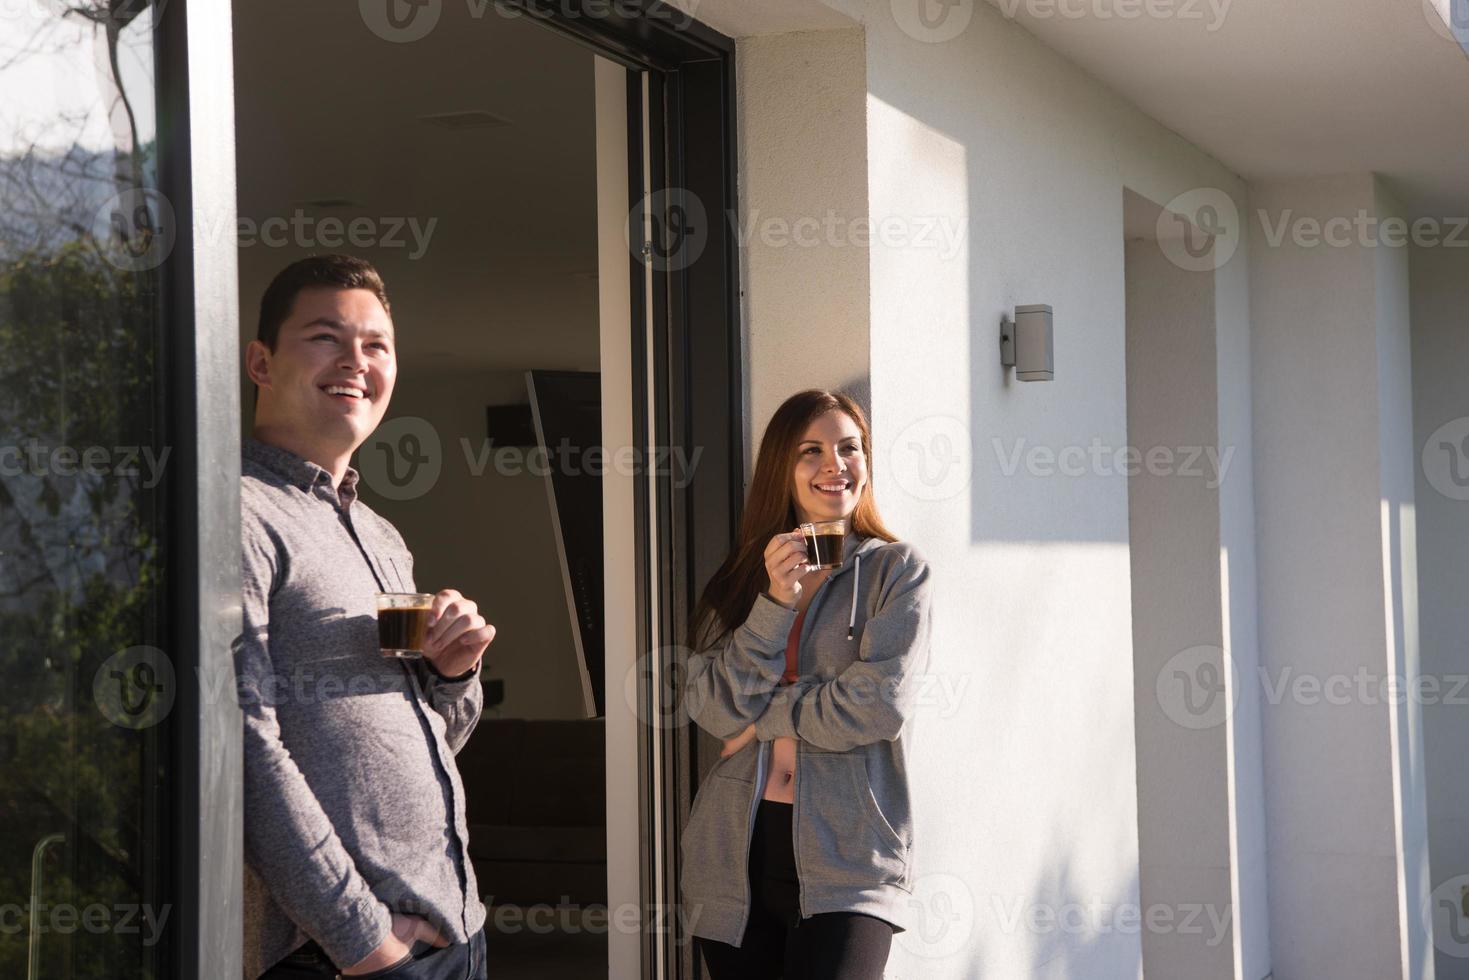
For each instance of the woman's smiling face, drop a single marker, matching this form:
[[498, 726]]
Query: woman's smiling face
[[831, 469]]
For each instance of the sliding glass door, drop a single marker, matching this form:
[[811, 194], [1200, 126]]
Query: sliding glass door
[[97, 441], [85, 691]]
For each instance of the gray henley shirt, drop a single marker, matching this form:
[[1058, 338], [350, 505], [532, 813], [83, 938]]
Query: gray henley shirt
[[354, 808]]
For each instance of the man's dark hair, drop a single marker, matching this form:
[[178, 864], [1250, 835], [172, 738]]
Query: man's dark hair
[[338, 271]]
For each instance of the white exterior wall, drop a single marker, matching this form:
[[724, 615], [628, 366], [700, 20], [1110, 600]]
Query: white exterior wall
[[1025, 769], [1440, 297], [1032, 157]]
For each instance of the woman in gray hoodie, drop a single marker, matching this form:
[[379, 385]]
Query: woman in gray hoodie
[[797, 857]]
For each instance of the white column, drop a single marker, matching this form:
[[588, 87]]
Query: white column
[[1334, 495]]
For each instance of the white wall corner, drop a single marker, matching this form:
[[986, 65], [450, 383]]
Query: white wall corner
[[802, 116]]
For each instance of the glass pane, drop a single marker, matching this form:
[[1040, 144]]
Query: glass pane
[[84, 692]]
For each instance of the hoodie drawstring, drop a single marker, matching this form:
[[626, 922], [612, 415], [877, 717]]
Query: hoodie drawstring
[[856, 580]]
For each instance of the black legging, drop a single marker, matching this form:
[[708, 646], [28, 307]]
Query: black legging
[[778, 943]]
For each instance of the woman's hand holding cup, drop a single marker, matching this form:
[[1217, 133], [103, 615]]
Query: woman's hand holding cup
[[785, 563]]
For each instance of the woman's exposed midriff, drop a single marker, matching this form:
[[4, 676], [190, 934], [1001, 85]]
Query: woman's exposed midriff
[[780, 785]]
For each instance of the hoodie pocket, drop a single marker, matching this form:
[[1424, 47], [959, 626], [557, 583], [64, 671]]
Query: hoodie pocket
[[715, 840], [863, 789], [844, 840]]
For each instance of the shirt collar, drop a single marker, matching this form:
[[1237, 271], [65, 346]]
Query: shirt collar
[[298, 472]]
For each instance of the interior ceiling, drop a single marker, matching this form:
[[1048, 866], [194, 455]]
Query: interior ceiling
[[328, 111], [1287, 88]]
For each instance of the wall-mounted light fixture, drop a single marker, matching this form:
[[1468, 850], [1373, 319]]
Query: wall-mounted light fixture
[[1026, 343]]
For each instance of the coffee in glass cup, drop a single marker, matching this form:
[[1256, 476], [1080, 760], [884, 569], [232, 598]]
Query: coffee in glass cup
[[402, 622], [824, 540]]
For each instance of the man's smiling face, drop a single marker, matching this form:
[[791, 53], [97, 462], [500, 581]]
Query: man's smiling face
[[332, 372]]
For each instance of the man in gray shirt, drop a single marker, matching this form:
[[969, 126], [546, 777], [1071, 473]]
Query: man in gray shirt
[[356, 844]]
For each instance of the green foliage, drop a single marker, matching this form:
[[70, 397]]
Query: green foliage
[[79, 582]]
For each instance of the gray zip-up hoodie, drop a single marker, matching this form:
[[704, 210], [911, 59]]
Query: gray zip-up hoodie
[[863, 649]]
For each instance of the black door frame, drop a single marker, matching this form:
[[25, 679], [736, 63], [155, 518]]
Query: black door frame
[[698, 389], [199, 375], [681, 92], [694, 358]]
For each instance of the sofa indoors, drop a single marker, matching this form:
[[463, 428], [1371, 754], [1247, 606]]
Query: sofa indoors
[[537, 810]]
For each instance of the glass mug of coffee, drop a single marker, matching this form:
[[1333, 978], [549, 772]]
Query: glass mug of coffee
[[824, 541], [402, 622]]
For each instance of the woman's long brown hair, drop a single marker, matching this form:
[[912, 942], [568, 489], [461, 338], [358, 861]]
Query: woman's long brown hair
[[771, 510]]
